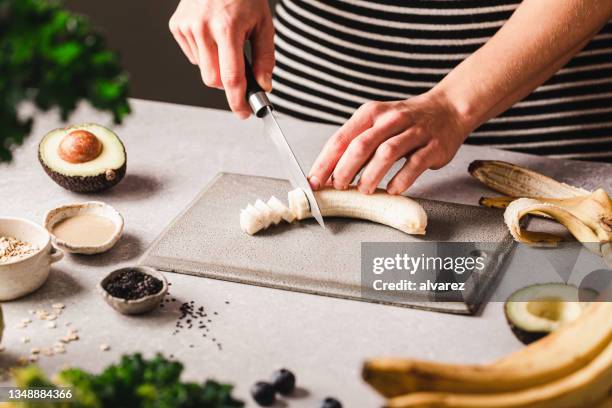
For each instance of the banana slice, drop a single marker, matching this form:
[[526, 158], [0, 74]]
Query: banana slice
[[281, 209], [395, 211], [266, 212], [251, 220]]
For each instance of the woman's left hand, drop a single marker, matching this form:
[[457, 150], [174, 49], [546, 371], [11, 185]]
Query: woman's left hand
[[427, 130]]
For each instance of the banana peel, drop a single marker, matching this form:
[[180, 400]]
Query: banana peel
[[515, 181], [587, 215]]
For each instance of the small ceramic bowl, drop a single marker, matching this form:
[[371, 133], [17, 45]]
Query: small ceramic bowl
[[90, 207], [136, 306], [26, 274]]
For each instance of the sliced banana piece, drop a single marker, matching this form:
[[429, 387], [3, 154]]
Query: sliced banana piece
[[399, 212], [266, 213], [251, 220], [281, 209]]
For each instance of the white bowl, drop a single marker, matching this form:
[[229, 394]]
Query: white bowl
[[24, 275], [90, 207]]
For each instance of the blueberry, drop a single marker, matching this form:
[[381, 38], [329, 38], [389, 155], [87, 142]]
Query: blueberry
[[263, 393], [283, 381], [330, 402]]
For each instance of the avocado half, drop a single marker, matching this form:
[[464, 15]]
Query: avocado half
[[535, 311], [105, 169]]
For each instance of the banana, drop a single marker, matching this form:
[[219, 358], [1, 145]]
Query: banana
[[395, 211], [562, 352], [582, 389], [516, 181], [398, 212]]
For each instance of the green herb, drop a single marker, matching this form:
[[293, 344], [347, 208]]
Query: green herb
[[53, 59], [135, 382]]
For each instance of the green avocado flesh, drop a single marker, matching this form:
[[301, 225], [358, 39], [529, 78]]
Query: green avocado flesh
[[537, 310], [98, 174]]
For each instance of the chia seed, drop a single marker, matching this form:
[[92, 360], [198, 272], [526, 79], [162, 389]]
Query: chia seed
[[133, 284]]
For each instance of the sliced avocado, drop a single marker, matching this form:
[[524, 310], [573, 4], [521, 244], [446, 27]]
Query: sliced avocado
[[83, 158], [535, 311]]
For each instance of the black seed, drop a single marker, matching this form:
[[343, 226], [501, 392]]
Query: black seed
[[330, 402], [263, 393], [283, 381], [132, 284]]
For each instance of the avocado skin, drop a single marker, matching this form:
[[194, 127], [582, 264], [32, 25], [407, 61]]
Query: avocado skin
[[84, 184], [524, 336]]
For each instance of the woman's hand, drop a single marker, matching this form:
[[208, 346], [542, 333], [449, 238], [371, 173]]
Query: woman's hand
[[212, 34], [426, 130]]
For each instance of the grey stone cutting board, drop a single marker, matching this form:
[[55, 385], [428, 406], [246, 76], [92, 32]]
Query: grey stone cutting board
[[206, 240]]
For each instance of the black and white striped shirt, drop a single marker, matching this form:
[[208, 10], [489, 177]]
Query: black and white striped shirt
[[334, 55]]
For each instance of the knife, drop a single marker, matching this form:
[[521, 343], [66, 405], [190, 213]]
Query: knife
[[262, 108]]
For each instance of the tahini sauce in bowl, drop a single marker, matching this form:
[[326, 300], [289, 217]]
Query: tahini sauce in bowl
[[85, 228]]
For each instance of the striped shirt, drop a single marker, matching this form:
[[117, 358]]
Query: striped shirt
[[334, 55]]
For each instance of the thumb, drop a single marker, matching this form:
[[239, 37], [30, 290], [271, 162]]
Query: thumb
[[262, 43]]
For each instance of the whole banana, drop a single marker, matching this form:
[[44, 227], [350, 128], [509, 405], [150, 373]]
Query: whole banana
[[562, 352], [584, 388]]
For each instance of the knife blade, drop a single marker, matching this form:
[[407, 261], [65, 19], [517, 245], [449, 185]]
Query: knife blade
[[263, 108]]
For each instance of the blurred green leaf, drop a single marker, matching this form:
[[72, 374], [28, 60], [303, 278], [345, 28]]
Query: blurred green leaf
[[54, 59]]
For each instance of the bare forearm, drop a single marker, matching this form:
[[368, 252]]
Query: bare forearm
[[540, 37]]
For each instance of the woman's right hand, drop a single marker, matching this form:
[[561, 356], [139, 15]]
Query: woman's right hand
[[212, 34]]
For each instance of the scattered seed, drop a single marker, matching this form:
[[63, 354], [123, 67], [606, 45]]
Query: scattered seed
[[26, 320], [34, 350], [104, 347], [58, 306], [33, 359], [25, 339], [51, 325]]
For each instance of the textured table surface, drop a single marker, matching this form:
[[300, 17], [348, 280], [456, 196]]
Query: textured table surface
[[173, 152]]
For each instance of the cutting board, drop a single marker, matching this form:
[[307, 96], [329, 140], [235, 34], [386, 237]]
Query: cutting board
[[206, 240]]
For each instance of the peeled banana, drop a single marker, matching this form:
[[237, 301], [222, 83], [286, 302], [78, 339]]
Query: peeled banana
[[395, 211], [557, 355], [587, 215]]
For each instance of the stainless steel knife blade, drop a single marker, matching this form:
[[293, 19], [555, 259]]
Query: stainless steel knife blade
[[262, 108], [297, 178]]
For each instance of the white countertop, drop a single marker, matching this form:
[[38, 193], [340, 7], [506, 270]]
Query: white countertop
[[173, 152]]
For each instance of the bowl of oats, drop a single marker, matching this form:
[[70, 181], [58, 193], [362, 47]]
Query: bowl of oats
[[26, 255]]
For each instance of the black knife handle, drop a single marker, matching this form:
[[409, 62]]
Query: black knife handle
[[255, 95]]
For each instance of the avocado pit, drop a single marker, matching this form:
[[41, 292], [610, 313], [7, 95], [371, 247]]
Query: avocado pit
[[79, 146]]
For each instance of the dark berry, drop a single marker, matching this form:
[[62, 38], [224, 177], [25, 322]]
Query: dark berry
[[330, 402], [263, 393], [283, 381]]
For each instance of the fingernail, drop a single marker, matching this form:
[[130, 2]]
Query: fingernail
[[268, 83], [314, 182], [391, 191]]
